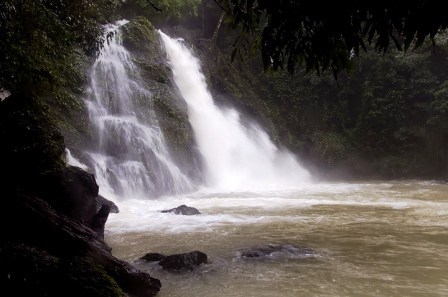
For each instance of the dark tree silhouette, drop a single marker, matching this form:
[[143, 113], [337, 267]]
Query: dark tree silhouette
[[324, 35]]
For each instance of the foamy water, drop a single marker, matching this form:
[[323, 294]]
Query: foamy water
[[370, 239], [275, 206]]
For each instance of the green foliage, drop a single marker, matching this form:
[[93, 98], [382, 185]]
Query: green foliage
[[178, 8], [32, 138], [42, 40], [387, 119], [324, 35], [331, 146], [169, 8]]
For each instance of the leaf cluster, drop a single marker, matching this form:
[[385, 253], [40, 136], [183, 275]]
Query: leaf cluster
[[40, 40], [321, 35]]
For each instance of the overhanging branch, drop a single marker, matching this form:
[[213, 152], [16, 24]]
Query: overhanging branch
[[154, 6]]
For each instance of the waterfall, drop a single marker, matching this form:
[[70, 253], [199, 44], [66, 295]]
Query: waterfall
[[130, 158], [236, 156]]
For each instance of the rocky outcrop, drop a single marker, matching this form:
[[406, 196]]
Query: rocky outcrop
[[51, 242], [99, 220], [183, 210], [141, 39], [100, 200], [63, 237], [32, 271], [73, 193], [183, 262], [273, 250]]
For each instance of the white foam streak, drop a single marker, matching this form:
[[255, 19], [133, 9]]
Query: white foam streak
[[73, 161]]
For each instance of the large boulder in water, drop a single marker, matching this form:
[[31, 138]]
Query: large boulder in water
[[153, 257], [183, 210], [273, 250], [183, 262]]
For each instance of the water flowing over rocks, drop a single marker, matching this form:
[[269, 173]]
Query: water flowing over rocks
[[276, 250], [128, 154], [183, 210]]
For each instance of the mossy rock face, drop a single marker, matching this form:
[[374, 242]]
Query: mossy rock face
[[170, 110], [30, 271], [139, 34], [34, 145]]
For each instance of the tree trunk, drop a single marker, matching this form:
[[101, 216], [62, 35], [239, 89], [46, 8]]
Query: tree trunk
[[218, 26]]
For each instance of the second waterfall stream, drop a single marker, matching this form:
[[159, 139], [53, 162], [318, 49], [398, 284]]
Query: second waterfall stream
[[236, 157], [130, 157]]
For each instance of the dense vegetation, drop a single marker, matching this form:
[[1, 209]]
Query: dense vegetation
[[324, 35], [385, 118]]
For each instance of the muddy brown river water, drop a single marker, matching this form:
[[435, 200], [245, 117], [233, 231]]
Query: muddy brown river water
[[370, 239]]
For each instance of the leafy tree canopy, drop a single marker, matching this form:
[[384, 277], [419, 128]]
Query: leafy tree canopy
[[323, 35], [42, 40]]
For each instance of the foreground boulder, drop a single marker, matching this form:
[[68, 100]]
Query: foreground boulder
[[31, 271], [63, 238], [272, 250], [183, 210], [183, 262]]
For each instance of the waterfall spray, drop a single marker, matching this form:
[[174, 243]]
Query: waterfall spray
[[130, 158], [236, 156]]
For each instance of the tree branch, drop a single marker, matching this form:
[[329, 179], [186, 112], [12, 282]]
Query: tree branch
[[222, 7], [154, 6]]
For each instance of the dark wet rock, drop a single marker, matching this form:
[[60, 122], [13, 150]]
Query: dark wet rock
[[272, 250], [31, 271], [100, 200], [58, 235], [183, 262], [99, 220], [73, 193], [183, 210], [153, 257], [48, 246]]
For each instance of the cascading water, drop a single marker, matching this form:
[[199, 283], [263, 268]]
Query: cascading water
[[236, 156], [131, 159]]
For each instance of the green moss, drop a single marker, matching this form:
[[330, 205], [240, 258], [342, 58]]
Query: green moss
[[139, 34], [30, 271], [85, 278], [35, 145]]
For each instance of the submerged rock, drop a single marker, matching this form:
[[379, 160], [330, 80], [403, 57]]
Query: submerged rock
[[271, 250], [153, 257], [182, 262], [183, 210]]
